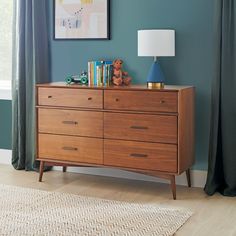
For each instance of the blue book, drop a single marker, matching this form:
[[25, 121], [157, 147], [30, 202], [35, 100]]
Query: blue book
[[106, 68], [95, 78], [101, 78]]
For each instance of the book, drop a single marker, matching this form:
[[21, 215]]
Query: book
[[99, 78], [99, 73], [90, 73]]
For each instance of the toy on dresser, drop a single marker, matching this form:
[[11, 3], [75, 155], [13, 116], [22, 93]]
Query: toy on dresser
[[119, 77], [79, 79]]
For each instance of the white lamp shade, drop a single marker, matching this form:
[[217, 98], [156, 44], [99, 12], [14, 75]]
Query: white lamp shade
[[156, 43]]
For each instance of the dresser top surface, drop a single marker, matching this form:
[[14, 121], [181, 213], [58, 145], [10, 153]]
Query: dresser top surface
[[130, 87]]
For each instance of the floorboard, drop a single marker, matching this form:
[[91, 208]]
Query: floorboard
[[213, 216]]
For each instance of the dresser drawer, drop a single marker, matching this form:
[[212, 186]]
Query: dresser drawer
[[70, 122], [140, 127], [69, 97], [157, 101], [69, 148], [138, 155]]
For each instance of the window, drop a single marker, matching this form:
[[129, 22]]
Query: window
[[6, 15]]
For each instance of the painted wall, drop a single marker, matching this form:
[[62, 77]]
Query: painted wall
[[5, 124], [192, 65]]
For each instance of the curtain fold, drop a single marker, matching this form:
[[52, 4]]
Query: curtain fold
[[30, 66], [222, 151]]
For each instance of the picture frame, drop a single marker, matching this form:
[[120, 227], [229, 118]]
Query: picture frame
[[81, 19]]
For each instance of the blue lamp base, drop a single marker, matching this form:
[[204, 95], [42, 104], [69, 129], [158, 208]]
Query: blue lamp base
[[155, 77]]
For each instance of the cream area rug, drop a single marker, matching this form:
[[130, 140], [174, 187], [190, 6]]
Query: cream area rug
[[26, 211]]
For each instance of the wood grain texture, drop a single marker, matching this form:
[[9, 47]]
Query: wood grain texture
[[70, 122], [110, 110], [149, 156], [132, 87], [133, 128], [41, 170], [188, 176], [70, 97], [173, 186], [141, 100], [186, 137], [140, 127], [75, 149], [156, 173]]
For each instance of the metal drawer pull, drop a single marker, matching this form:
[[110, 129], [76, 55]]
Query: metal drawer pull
[[49, 96], [138, 155], [69, 122], [70, 149], [90, 98], [138, 127], [162, 101]]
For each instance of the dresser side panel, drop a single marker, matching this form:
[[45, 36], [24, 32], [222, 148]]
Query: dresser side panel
[[186, 129]]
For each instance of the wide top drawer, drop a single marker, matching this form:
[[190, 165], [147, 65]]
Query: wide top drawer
[[156, 101], [69, 97]]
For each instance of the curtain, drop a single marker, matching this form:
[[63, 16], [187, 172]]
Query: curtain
[[30, 66], [222, 151]]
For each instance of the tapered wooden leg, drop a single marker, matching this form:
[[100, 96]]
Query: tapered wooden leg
[[173, 186], [41, 171], [188, 177], [64, 168]]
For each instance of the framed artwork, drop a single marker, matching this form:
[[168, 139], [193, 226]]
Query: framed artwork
[[81, 19]]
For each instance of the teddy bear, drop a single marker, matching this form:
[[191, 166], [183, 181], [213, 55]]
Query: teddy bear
[[119, 77]]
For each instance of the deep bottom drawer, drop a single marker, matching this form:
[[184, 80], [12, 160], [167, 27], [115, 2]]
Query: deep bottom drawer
[[68, 148], [140, 155]]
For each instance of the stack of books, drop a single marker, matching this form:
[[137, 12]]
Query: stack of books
[[99, 73]]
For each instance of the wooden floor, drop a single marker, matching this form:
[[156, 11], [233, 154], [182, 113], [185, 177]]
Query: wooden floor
[[213, 216]]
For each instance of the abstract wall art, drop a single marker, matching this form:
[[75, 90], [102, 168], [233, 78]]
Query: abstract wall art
[[81, 19]]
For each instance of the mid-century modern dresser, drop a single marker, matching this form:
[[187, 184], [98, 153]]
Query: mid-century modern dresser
[[149, 131]]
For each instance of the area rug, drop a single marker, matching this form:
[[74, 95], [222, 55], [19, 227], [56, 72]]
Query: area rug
[[25, 211]]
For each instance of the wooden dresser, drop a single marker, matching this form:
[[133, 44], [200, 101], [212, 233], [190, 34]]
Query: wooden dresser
[[133, 128]]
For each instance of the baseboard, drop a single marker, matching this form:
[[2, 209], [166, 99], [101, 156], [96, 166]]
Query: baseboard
[[198, 176], [5, 156]]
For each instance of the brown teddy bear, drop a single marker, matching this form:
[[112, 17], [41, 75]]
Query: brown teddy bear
[[119, 77]]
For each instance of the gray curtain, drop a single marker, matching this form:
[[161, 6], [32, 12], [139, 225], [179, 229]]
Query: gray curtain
[[222, 152], [30, 66]]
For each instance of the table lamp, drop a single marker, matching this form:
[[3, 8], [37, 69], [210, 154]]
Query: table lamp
[[156, 43]]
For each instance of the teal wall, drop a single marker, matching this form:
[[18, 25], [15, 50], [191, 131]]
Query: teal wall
[[5, 124], [192, 65]]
